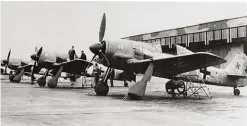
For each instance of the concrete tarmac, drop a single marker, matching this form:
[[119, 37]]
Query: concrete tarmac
[[23, 104]]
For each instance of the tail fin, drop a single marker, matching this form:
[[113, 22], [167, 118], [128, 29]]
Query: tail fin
[[238, 65], [182, 50]]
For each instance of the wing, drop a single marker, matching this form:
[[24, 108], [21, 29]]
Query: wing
[[77, 66], [27, 68], [170, 66]]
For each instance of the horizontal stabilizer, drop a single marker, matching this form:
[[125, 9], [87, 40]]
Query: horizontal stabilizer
[[237, 76]]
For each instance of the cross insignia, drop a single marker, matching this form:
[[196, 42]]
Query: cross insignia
[[238, 65]]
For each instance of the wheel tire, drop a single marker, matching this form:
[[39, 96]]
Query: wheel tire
[[126, 84], [11, 78], [169, 88], [101, 88], [236, 92], [41, 82], [181, 88]]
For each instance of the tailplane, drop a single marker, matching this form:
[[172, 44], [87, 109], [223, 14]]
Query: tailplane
[[182, 50], [237, 66]]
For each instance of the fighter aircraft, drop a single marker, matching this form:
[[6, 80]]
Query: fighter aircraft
[[136, 57], [234, 75], [56, 63], [19, 66]]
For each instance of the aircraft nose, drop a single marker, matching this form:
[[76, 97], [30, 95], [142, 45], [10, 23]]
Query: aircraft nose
[[95, 48], [33, 57]]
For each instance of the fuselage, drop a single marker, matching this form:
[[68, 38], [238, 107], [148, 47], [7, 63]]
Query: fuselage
[[14, 63], [47, 59], [119, 51], [217, 77]]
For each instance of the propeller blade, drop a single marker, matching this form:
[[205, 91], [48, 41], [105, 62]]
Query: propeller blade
[[102, 28], [90, 63], [7, 64], [39, 52]]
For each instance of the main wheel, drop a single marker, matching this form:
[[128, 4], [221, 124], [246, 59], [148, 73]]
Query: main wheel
[[236, 92], [101, 88], [11, 78], [181, 86], [41, 81], [125, 84], [169, 87]]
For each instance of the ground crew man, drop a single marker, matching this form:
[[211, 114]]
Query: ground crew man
[[112, 74], [96, 73], [83, 55], [72, 53]]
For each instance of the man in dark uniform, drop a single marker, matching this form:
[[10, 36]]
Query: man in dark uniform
[[111, 75], [72, 53], [96, 73], [83, 55]]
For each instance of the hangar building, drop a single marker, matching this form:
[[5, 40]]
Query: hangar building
[[224, 38]]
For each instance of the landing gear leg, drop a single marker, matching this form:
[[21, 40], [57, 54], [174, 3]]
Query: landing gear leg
[[18, 76], [42, 80], [52, 83], [236, 91], [137, 90]]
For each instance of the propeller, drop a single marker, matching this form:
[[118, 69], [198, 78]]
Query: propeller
[[99, 48], [7, 63], [35, 57]]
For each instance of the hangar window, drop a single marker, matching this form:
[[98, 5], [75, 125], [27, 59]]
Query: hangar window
[[168, 41], [234, 32], [196, 37], [173, 41], [242, 31], [191, 38], [202, 36], [158, 40], [163, 41], [225, 34], [153, 41], [210, 35], [184, 39], [178, 40], [217, 35]]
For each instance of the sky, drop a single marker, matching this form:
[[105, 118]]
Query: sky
[[58, 25]]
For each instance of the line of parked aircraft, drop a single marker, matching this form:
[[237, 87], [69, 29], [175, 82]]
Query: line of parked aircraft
[[131, 58]]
